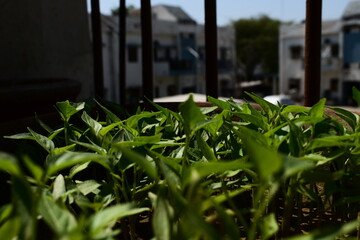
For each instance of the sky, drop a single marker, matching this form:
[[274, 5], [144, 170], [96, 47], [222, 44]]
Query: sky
[[228, 10]]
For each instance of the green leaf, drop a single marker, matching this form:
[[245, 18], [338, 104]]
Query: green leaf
[[205, 149], [268, 107], [356, 95], [63, 149], [43, 125], [27, 136], [205, 169], [217, 122], [295, 109], [141, 161], [297, 139], [329, 233], [269, 226], [191, 114], [70, 159], [294, 165], [109, 114], [317, 111], [333, 141], [9, 164], [23, 201], [59, 188], [105, 218], [161, 220], [94, 125], [10, 229], [78, 168], [61, 221], [220, 198], [200, 125], [133, 121], [267, 161], [221, 104], [88, 186], [108, 128], [67, 109], [349, 117], [43, 141], [259, 122], [93, 147]]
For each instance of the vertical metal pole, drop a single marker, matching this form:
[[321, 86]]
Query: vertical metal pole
[[122, 52], [97, 48], [312, 52], [147, 49], [211, 68]]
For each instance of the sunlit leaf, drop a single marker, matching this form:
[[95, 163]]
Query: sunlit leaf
[[59, 188], [206, 168], [220, 103], [110, 215], [317, 111], [94, 125], [191, 113], [43, 141], [88, 186], [92, 146], [78, 168], [295, 109], [70, 159], [269, 226], [67, 109], [205, 148]]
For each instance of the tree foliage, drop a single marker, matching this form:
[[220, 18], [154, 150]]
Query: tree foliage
[[257, 44]]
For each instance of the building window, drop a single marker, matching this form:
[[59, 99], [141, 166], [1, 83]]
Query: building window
[[334, 84], [296, 52], [334, 50], [294, 85], [132, 53], [223, 53]]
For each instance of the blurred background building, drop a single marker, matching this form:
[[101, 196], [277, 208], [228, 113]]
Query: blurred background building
[[340, 53], [179, 50]]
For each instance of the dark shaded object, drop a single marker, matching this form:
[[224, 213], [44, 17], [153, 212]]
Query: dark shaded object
[[97, 48], [20, 98], [122, 52], [312, 52], [147, 50], [211, 71]]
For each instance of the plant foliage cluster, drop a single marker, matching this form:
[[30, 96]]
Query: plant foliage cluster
[[230, 171]]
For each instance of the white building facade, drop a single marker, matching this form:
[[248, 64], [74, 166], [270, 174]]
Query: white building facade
[[179, 50]]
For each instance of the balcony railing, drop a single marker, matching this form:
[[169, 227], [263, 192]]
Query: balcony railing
[[312, 49]]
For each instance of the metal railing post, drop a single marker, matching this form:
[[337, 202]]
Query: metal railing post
[[122, 52], [147, 49], [312, 52], [211, 68], [97, 48]]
